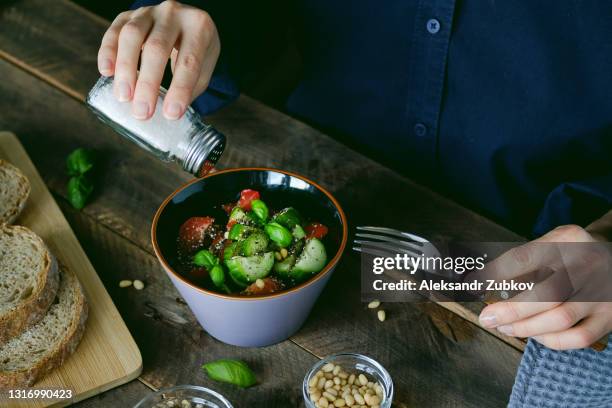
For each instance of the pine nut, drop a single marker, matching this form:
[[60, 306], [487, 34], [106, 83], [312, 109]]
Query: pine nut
[[374, 304], [328, 368], [138, 285], [362, 379], [339, 403], [125, 283], [330, 397], [260, 283], [351, 379], [349, 400], [359, 398], [343, 375], [313, 382], [328, 384], [315, 396], [323, 403], [382, 315], [336, 370], [374, 400], [321, 383], [337, 380]]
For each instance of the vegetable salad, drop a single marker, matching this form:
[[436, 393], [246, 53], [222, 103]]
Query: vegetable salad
[[257, 251]]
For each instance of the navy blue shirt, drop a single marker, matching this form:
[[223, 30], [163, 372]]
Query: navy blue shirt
[[504, 105]]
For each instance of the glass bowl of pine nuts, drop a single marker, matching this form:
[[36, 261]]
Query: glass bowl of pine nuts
[[348, 380]]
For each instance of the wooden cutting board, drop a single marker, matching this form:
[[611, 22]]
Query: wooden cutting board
[[107, 355]]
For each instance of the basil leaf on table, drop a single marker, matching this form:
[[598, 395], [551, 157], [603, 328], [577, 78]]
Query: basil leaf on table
[[230, 371], [79, 190], [80, 161]]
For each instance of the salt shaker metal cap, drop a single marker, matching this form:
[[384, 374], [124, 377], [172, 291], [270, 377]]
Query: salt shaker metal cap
[[195, 145]]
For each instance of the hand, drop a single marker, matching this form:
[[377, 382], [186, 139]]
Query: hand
[[185, 34], [555, 323]]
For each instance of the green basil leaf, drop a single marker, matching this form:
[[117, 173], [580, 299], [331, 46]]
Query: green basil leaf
[[230, 371], [205, 258], [79, 191], [260, 209], [217, 275], [80, 161], [279, 234]]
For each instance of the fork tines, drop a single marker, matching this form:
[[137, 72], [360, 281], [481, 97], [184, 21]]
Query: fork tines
[[381, 241]]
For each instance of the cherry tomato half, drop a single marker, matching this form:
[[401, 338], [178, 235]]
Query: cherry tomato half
[[316, 230], [246, 198]]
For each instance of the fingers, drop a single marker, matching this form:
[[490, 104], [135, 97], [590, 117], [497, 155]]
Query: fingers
[[518, 261], [131, 38], [558, 319], [194, 62], [507, 312], [151, 34], [155, 54], [582, 335], [107, 54]]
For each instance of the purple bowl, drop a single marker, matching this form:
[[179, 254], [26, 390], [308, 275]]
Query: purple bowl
[[252, 321]]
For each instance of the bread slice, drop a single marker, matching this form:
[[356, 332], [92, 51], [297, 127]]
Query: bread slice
[[46, 345], [29, 280], [14, 192]]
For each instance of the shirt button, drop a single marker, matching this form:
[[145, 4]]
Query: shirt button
[[420, 130], [433, 26]]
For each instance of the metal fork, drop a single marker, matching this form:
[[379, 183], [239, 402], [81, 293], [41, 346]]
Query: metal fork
[[382, 241]]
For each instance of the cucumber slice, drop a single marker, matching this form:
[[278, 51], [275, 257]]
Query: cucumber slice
[[298, 232], [255, 243], [312, 259], [245, 270], [288, 217], [231, 250], [238, 214], [239, 231], [283, 267]]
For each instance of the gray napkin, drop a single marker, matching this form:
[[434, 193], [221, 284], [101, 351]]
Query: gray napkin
[[563, 379]]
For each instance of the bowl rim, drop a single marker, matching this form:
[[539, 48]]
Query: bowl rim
[[326, 270], [182, 387], [382, 371]]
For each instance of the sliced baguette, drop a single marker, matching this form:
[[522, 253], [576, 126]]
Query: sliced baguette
[[46, 345], [29, 280], [14, 192]]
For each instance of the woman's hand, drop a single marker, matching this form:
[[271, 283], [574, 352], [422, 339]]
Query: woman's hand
[[555, 323], [185, 34]]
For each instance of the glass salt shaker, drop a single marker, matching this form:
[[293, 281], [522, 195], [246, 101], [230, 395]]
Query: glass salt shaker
[[193, 144]]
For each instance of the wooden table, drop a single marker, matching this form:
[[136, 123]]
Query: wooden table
[[437, 359]]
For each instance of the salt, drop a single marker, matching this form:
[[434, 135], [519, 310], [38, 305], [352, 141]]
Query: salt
[[187, 140]]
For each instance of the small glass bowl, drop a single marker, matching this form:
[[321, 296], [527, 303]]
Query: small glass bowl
[[192, 393], [354, 363]]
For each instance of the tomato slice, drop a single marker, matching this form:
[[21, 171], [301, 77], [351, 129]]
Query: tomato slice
[[228, 207], [316, 230], [192, 233], [230, 224], [246, 198], [270, 285]]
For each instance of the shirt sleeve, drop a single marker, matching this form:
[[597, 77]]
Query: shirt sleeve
[[576, 202], [223, 87]]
